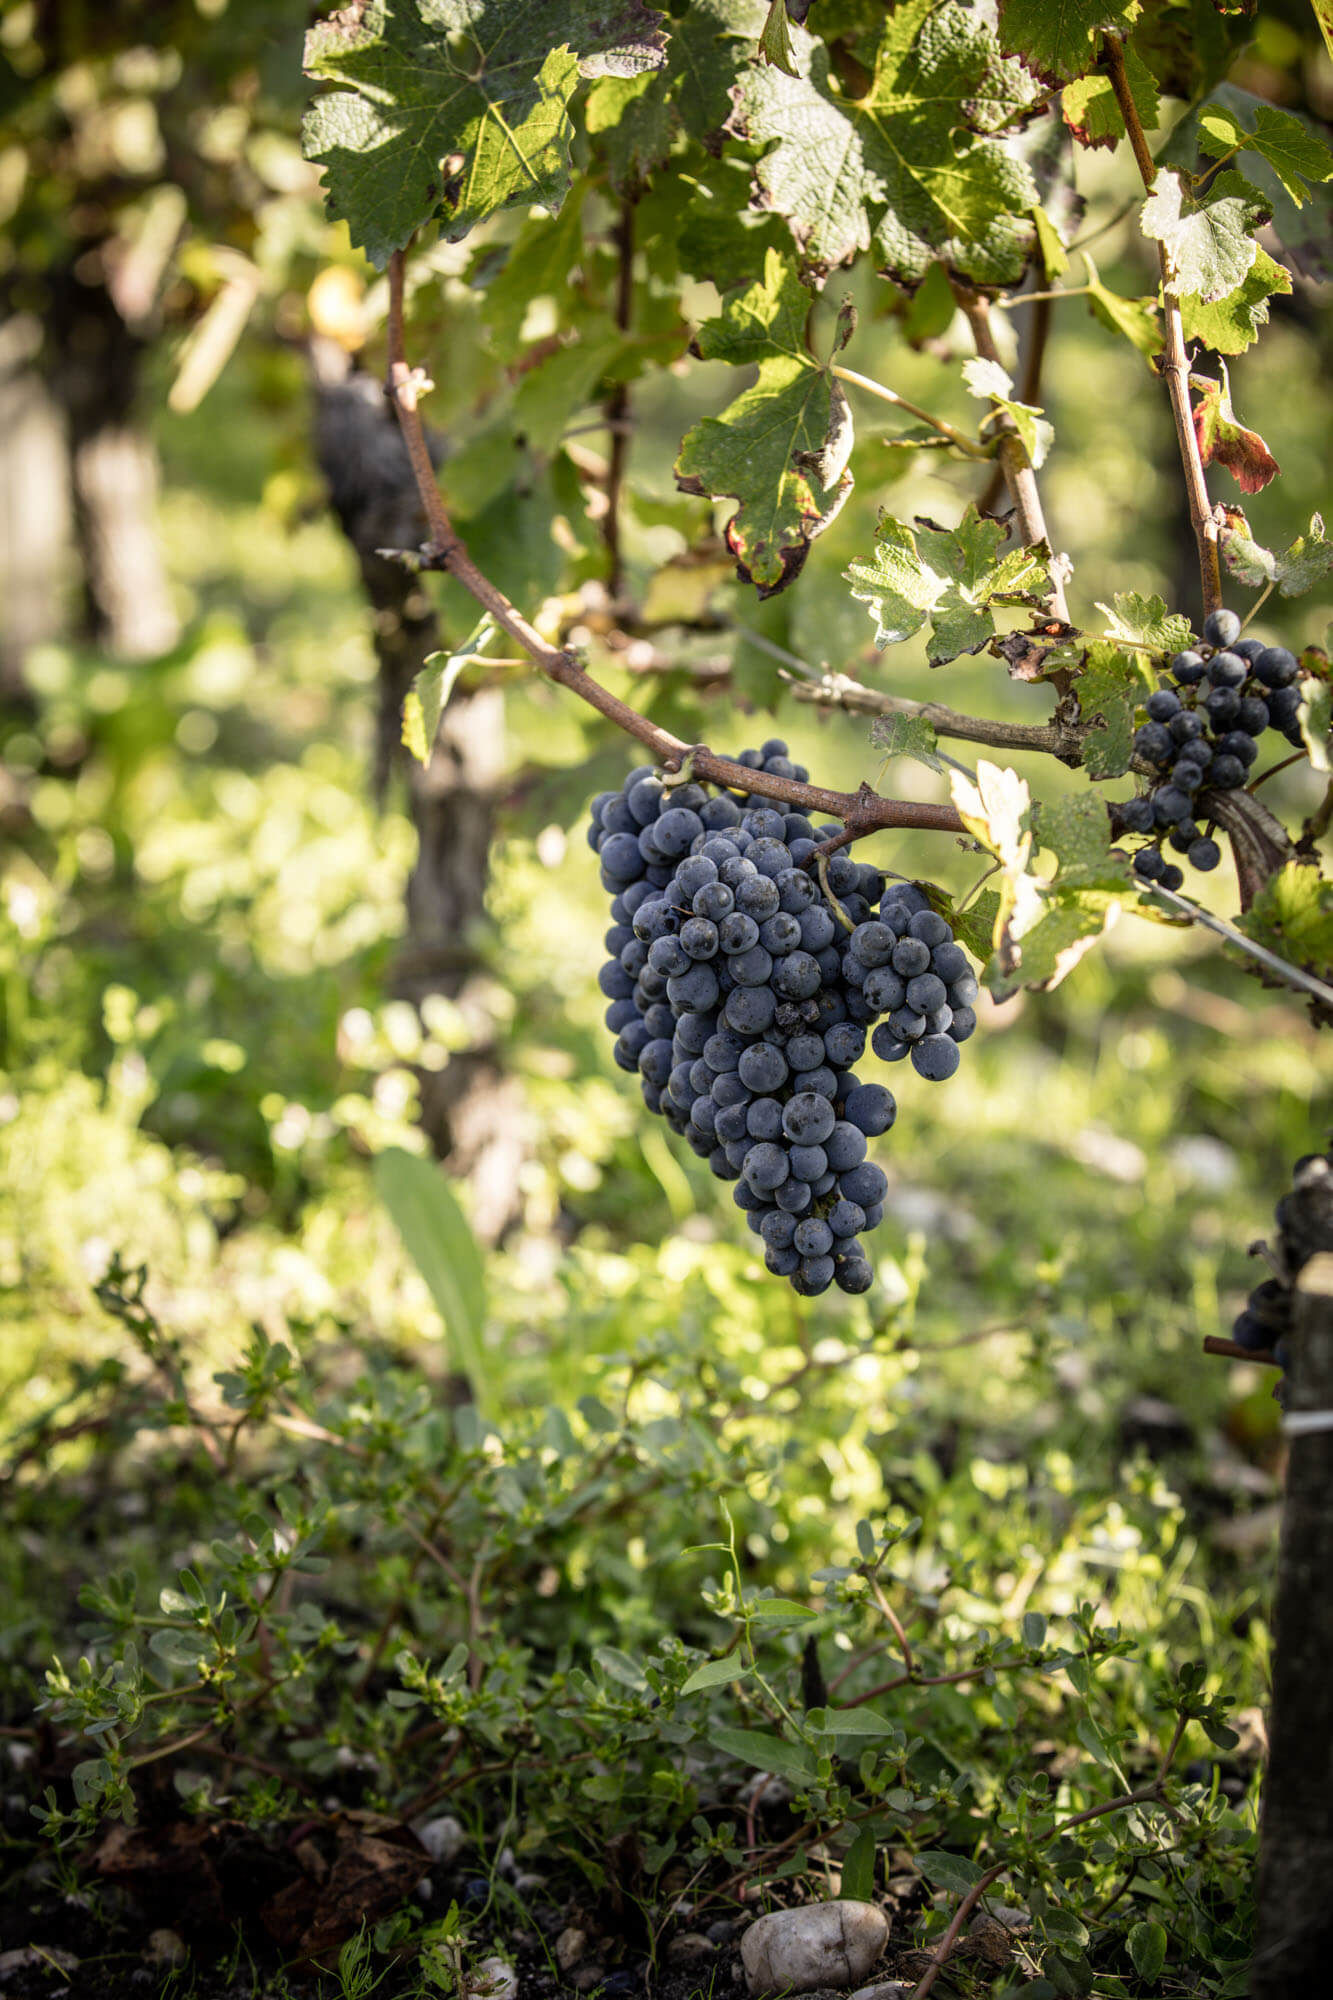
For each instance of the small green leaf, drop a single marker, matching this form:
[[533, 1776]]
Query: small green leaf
[[1078, 832], [1293, 915], [778, 1607], [428, 696], [1231, 324], [715, 1673], [860, 1721], [1109, 688], [1054, 257], [437, 1237], [1317, 721], [1135, 319], [975, 926], [618, 1666], [775, 41], [1034, 1629], [907, 736], [1295, 153], [951, 576], [954, 1872], [765, 1752], [1090, 108], [1305, 563], [1147, 1949], [1210, 244], [988, 380], [865, 1536], [858, 1867], [1145, 624]]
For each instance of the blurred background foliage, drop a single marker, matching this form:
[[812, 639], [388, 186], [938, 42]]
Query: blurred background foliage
[[206, 1029]]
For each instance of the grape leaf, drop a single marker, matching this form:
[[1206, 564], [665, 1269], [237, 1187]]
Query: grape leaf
[[1057, 39], [884, 168], [539, 264], [1293, 915], [989, 380], [782, 447], [632, 118], [1136, 319], [950, 576], [428, 696], [775, 41], [448, 110], [1295, 154], [1231, 324], [1209, 244], [1308, 559], [1145, 624], [1316, 722], [907, 736], [1049, 949], [1303, 229], [1050, 245], [975, 926], [1110, 687], [1223, 437], [703, 57], [1089, 107], [1077, 830]]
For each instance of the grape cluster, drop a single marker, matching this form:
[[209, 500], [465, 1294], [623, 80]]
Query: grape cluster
[[741, 988], [1305, 1225], [1201, 735]]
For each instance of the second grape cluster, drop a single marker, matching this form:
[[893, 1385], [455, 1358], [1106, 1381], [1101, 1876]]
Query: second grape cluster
[[1202, 735]]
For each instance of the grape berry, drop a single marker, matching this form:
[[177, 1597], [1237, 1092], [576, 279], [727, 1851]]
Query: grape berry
[[741, 990], [1201, 735]]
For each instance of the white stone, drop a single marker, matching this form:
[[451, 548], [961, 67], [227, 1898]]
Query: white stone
[[887, 1989], [26, 1955], [443, 1838], [493, 1979], [167, 1948], [820, 1944], [570, 1947]]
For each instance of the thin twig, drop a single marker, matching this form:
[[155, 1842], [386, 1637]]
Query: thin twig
[[957, 438], [1019, 474], [1233, 1351], [1290, 975], [1039, 298], [1174, 362], [1296, 757], [616, 406], [864, 809]]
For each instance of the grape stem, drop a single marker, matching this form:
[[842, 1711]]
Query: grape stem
[[1174, 362], [1055, 739], [1214, 1344], [861, 812]]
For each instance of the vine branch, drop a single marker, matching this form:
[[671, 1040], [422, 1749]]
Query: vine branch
[[1019, 473], [1174, 362], [1054, 739], [861, 812], [616, 407]]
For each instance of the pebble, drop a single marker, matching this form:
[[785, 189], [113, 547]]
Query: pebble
[[887, 1989], [818, 1944], [587, 1976], [443, 1838], [493, 1979], [687, 1950], [529, 1885], [570, 1947], [722, 1932], [26, 1956], [167, 1948]]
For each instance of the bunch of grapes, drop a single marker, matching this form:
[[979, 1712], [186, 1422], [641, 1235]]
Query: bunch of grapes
[[742, 980], [1305, 1225], [1202, 734]]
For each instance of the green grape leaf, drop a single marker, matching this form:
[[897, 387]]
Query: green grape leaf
[[1057, 39], [632, 118], [1110, 687], [1295, 153], [1077, 831], [1135, 319], [988, 380], [907, 736], [447, 110], [1309, 559], [1089, 107], [1209, 244], [775, 41], [1231, 324], [975, 926], [1223, 437], [428, 696], [540, 260], [949, 576], [1145, 624], [1045, 952], [884, 169], [1316, 722], [550, 394], [782, 447], [1050, 245], [703, 58], [1293, 915]]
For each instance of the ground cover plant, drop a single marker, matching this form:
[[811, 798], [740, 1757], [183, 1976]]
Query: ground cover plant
[[498, 1579]]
